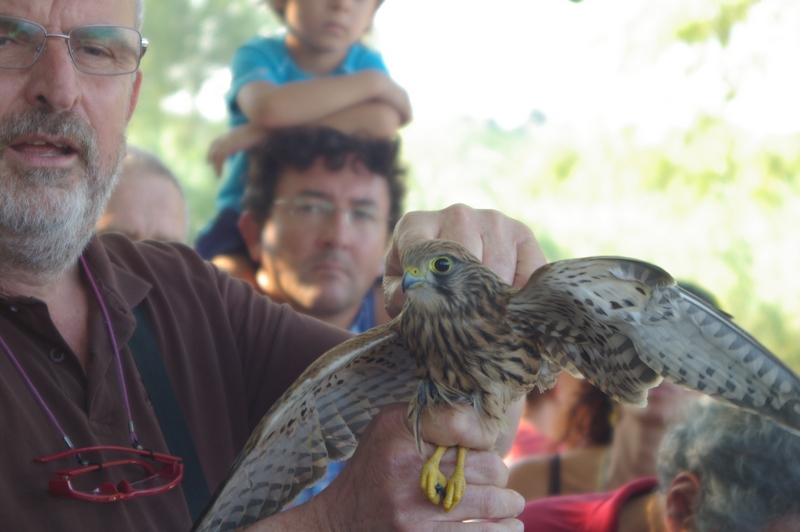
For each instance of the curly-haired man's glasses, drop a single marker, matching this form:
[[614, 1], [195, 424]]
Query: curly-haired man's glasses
[[314, 210]]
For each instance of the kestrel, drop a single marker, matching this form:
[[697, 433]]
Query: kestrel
[[465, 336]]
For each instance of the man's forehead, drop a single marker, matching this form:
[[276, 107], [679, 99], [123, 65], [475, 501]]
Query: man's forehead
[[347, 182], [66, 14]]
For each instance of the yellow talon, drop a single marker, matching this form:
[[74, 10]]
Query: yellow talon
[[457, 483], [432, 481], [435, 485]]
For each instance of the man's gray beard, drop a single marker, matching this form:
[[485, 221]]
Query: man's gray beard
[[45, 223]]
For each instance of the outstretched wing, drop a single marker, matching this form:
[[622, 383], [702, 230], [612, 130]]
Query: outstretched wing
[[625, 324], [320, 418]]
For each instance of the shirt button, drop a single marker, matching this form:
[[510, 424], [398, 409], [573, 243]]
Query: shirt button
[[57, 355]]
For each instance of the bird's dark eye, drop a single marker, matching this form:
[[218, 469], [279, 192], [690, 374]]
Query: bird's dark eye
[[441, 265]]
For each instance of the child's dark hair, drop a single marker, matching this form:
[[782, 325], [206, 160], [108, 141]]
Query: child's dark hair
[[299, 147]]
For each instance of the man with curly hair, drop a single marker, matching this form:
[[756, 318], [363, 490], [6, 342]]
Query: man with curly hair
[[320, 207]]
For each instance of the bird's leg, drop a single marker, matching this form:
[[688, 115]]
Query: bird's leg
[[457, 483], [432, 481]]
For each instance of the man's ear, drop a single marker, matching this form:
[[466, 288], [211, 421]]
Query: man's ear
[[683, 500], [134, 96], [251, 233]]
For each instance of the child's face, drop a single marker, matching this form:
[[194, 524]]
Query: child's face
[[329, 25]]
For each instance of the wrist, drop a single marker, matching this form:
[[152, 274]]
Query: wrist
[[375, 80], [327, 511], [306, 517]]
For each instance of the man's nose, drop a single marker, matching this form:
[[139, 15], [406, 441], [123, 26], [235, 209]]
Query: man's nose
[[340, 4], [338, 230], [54, 81]]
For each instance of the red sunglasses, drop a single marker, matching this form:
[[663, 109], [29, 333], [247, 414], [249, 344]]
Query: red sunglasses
[[151, 483]]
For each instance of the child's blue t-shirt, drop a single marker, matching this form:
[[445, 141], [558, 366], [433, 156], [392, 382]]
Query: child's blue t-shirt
[[267, 59]]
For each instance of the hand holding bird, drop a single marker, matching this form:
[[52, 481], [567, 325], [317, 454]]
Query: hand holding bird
[[466, 337]]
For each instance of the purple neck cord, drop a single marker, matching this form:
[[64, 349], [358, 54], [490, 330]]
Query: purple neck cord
[[134, 439]]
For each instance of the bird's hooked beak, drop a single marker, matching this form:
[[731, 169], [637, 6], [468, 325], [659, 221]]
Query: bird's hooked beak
[[411, 278]]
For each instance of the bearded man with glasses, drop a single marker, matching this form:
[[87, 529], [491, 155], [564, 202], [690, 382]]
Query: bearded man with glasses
[[82, 445]]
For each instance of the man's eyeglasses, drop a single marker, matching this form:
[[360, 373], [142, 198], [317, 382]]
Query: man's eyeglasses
[[100, 50], [141, 478], [311, 210]]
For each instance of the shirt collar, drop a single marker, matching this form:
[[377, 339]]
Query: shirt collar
[[117, 285]]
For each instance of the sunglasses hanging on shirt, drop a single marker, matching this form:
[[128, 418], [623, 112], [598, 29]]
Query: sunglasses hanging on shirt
[[134, 465]]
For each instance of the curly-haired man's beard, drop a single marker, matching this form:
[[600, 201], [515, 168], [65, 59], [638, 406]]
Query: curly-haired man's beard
[[46, 218]]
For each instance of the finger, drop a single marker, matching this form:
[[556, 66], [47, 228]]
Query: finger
[[480, 468], [458, 223], [509, 248], [513, 415], [487, 502], [393, 296], [405, 116], [505, 525], [467, 226], [410, 229], [530, 258], [495, 239]]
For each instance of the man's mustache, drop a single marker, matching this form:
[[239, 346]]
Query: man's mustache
[[75, 132]]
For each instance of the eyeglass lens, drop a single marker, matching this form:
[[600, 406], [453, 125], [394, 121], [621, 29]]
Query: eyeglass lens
[[102, 50], [318, 210]]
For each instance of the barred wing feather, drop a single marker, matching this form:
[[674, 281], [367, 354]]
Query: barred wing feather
[[320, 418], [624, 324]]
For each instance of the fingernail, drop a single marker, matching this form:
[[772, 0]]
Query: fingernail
[[520, 526]]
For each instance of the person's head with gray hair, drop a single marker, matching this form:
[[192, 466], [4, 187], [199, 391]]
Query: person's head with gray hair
[[720, 469], [147, 203], [139, 161], [725, 469]]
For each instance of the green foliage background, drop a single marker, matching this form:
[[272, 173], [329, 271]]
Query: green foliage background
[[711, 203], [190, 41]]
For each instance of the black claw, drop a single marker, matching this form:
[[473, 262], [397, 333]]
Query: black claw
[[440, 491]]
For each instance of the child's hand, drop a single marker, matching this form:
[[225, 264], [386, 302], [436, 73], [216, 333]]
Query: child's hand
[[397, 97], [240, 138], [384, 89]]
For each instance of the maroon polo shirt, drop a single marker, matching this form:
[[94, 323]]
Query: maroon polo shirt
[[229, 352]]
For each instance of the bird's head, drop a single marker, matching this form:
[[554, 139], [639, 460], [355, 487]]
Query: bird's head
[[436, 266]]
